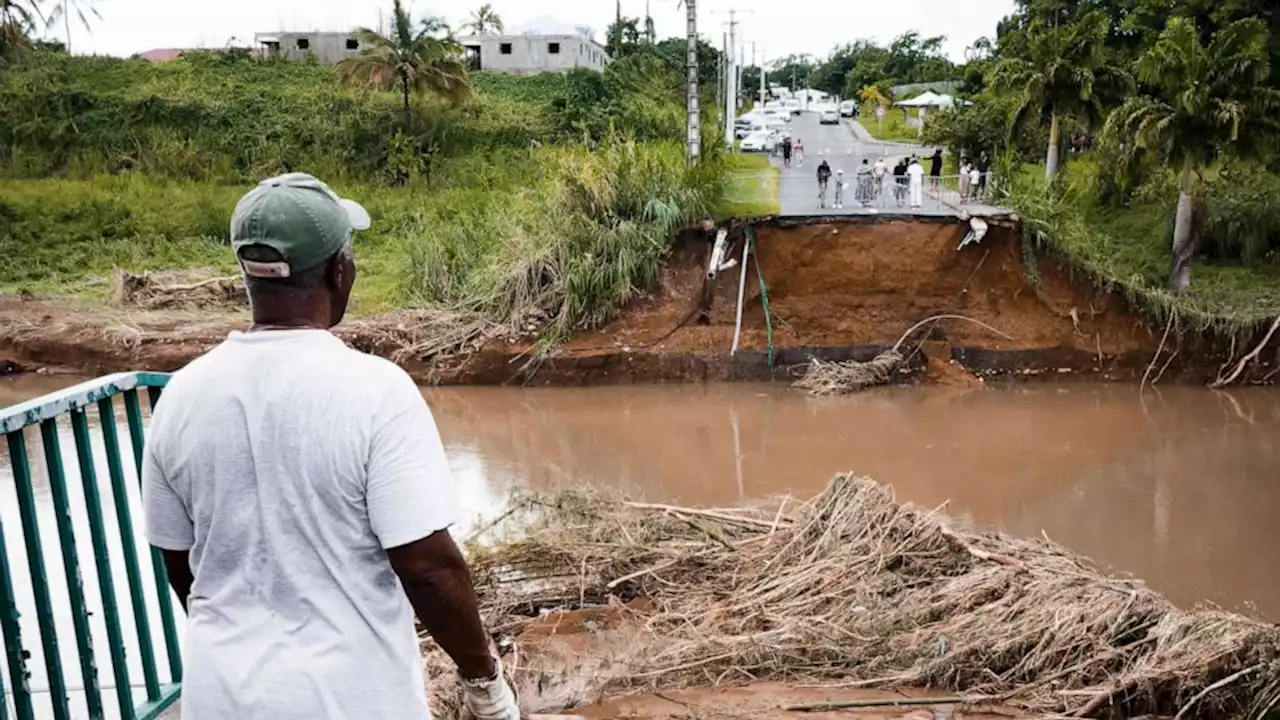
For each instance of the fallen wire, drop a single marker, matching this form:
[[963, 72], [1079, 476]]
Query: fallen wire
[[1173, 314], [1253, 355]]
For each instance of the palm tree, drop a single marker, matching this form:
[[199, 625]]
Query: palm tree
[[485, 21], [1065, 72], [63, 11], [873, 94], [17, 19], [415, 59], [1204, 102]]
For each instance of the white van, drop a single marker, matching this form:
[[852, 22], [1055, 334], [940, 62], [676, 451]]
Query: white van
[[848, 108]]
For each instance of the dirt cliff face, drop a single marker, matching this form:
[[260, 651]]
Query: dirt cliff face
[[847, 289], [837, 290]]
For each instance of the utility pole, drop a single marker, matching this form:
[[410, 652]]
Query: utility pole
[[693, 108], [762, 74], [731, 82], [617, 38], [722, 77]]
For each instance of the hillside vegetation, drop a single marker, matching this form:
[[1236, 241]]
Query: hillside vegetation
[[554, 195]]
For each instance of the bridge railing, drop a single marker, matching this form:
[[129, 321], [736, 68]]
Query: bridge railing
[[48, 416]]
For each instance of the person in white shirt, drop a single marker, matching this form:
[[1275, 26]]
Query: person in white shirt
[[878, 171], [915, 176], [300, 497], [975, 183]]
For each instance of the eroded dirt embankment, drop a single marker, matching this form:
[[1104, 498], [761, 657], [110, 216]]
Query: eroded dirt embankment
[[836, 290], [849, 289]]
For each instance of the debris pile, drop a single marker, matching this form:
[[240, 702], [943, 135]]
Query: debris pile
[[852, 587], [152, 292]]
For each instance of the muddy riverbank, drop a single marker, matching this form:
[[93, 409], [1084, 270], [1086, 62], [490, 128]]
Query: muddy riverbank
[[832, 290]]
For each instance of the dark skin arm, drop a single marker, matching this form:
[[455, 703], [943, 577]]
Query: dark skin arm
[[179, 571], [437, 581]]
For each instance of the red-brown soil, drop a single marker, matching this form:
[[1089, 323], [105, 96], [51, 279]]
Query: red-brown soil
[[865, 283], [836, 290]]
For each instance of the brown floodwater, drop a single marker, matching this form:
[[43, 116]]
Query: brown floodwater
[[1177, 486]]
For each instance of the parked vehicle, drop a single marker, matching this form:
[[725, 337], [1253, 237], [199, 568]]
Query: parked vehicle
[[829, 116], [793, 104], [849, 108], [760, 141]]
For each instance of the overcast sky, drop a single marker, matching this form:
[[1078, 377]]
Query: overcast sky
[[781, 26]]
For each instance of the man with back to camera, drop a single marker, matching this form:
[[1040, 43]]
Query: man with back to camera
[[299, 493]]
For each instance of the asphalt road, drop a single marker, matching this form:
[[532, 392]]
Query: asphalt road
[[844, 150]]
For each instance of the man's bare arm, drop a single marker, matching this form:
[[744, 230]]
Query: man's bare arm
[[178, 568], [438, 583]]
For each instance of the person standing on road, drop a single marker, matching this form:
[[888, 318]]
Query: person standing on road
[[915, 173], [900, 181], [824, 175], [799, 151], [300, 497], [964, 180], [840, 183], [865, 194], [935, 171], [786, 152], [984, 170], [975, 183], [877, 174]]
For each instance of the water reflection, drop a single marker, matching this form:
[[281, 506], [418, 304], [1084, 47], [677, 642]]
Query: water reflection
[[1177, 487]]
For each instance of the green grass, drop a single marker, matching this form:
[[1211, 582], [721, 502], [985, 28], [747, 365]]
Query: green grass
[[893, 127], [751, 187], [558, 233], [1128, 249]]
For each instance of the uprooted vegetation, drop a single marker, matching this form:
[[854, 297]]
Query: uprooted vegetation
[[852, 587]]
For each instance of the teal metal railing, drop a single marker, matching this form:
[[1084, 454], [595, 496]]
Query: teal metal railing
[[73, 406]]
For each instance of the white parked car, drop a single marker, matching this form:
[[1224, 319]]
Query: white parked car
[[829, 116], [777, 114], [849, 108], [793, 104], [760, 141]]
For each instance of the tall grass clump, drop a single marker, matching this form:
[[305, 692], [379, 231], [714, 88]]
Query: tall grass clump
[[566, 250]]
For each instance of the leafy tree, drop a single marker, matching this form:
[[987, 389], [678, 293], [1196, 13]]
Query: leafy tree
[[413, 58], [484, 21], [1065, 71], [792, 70], [673, 51], [623, 35], [1205, 101]]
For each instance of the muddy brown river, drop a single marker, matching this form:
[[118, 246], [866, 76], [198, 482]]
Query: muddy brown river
[[1177, 486]]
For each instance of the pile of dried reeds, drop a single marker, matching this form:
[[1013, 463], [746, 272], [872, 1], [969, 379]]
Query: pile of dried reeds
[[421, 335], [853, 588], [152, 293], [824, 377]]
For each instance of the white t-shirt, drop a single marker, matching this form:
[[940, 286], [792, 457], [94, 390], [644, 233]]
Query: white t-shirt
[[287, 463], [915, 171]]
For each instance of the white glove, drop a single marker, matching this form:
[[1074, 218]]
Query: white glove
[[491, 698]]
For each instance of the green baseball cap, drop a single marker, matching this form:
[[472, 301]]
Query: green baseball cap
[[299, 217]]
